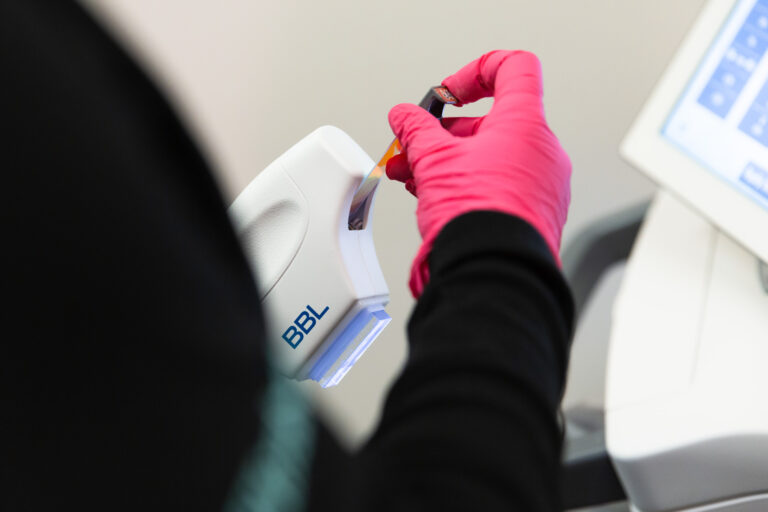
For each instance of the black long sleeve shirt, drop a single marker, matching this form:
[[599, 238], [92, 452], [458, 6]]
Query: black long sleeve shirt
[[133, 372], [471, 424]]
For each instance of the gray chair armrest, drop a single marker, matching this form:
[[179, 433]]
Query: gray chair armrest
[[589, 478], [597, 248]]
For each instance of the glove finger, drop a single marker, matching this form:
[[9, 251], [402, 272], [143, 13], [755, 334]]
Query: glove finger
[[398, 168], [462, 126], [410, 186], [418, 131], [513, 78]]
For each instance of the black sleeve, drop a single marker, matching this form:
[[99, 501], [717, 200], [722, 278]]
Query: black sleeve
[[131, 356], [471, 423]]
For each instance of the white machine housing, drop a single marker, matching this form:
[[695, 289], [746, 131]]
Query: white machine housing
[[687, 386], [320, 282], [687, 383]]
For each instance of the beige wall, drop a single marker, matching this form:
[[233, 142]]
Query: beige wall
[[253, 77]]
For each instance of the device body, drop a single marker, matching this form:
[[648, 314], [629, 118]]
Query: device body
[[686, 411], [320, 282]]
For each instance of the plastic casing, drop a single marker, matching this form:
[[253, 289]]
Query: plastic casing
[[686, 406], [292, 223]]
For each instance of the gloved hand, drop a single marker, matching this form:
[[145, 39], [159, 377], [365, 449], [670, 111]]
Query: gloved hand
[[507, 161]]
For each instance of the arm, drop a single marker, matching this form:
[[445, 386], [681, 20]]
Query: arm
[[471, 423]]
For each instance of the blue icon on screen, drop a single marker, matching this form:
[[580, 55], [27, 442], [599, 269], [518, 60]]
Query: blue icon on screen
[[718, 99], [739, 62], [752, 39], [755, 122], [755, 178], [758, 18]]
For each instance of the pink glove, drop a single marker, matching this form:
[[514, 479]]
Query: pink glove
[[508, 161]]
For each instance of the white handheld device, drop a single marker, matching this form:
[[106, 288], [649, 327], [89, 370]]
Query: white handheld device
[[319, 280], [305, 225]]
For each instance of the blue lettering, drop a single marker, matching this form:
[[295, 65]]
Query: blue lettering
[[291, 334], [318, 315], [303, 324], [302, 320]]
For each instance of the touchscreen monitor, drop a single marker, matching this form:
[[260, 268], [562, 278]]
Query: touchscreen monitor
[[721, 119]]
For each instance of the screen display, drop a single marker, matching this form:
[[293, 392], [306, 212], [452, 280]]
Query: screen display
[[721, 119]]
